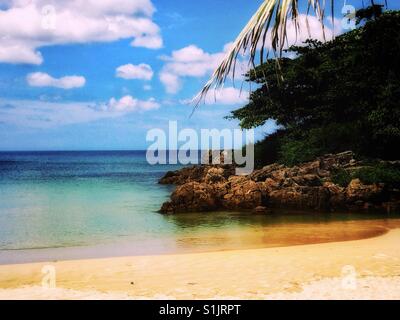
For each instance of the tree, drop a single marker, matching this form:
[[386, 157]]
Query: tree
[[334, 96], [272, 15]]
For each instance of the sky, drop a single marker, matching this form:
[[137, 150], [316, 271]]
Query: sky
[[98, 74]]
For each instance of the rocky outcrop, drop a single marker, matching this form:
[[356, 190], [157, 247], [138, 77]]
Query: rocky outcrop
[[200, 173], [192, 196], [307, 186], [300, 197], [242, 194]]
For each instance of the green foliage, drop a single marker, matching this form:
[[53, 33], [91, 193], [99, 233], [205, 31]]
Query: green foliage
[[370, 12], [334, 96], [376, 173], [293, 152], [342, 177], [267, 150], [379, 173]]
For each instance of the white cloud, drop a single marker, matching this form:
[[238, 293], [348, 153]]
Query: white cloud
[[147, 87], [19, 53], [49, 114], [303, 33], [148, 41], [227, 96], [171, 81], [191, 61], [26, 26], [130, 71], [40, 79], [45, 114], [130, 104], [224, 96]]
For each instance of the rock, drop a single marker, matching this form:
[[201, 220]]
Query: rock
[[270, 185], [334, 161], [337, 195], [243, 194], [357, 191], [194, 173], [305, 186], [310, 168], [260, 209], [279, 175], [201, 173], [316, 198], [216, 157], [191, 197], [310, 180], [233, 180], [167, 208], [265, 173], [214, 175]]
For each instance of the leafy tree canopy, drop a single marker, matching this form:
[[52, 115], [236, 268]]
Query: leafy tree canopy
[[338, 95]]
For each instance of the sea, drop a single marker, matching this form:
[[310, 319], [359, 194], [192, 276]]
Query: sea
[[89, 204]]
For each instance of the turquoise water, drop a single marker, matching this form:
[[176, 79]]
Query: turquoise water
[[86, 199], [56, 199]]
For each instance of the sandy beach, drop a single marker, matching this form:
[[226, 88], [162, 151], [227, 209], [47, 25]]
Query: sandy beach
[[359, 269]]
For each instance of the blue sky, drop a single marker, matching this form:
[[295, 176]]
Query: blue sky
[[99, 75]]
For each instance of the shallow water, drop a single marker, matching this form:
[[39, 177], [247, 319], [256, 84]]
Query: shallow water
[[59, 205]]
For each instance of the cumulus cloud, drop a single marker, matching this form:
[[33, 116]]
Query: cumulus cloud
[[170, 81], [313, 31], [227, 96], [45, 114], [25, 26], [130, 71], [224, 96], [131, 104], [190, 61], [48, 114], [148, 41], [40, 79]]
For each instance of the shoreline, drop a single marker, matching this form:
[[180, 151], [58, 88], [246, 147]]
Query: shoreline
[[304, 271], [275, 235]]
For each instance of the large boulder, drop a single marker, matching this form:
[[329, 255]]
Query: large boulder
[[191, 197], [301, 197], [265, 173], [337, 195], [356, 191], [200, 173], [335, 161], [214, 175], [270, 185], [309, 180], [309, 168], [243, 194], [187, 174]]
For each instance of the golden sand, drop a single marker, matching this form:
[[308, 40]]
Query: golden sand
[[368, 268]]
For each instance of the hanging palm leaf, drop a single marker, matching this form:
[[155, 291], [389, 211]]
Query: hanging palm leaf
[[271, 18]]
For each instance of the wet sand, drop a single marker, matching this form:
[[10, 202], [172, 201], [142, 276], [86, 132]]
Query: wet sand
[[233, 238], [353, 269]]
